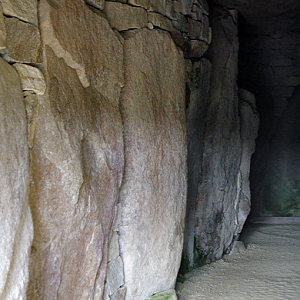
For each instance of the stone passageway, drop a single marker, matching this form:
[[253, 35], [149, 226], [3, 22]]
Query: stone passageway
[[269, 268]]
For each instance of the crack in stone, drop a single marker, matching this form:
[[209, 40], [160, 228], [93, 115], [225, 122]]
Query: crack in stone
[[51, 40]]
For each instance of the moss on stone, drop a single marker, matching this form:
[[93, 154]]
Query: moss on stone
[[282, 197], [186, 266], [168, 295]]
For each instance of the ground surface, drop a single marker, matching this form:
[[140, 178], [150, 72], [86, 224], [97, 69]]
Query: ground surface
[[269, 268]]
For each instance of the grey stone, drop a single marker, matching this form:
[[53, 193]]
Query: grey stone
[[194, 29], [197, 12], [115, 275], [197, 103], [217, 190], [206, 30], [183, 6], [249, 128], [181, 23], [16, 222], [120, 294], [151, 230], [114, 248]]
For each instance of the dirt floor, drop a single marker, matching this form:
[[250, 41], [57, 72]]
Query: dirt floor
[[267, 269]]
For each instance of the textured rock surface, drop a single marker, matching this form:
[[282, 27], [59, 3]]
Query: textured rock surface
[[153, 193], [108, 155], [2, 29], [77, 154], [96, 3], [160, 21], [25, 10], [16, 223], [23, 41], [32, 78], [198, 94], [215, 208], [249, 128], [124, 17]]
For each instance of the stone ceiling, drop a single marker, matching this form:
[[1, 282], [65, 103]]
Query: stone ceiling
[[267, 15]]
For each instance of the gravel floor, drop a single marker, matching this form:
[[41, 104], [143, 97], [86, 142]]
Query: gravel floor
[[269, 268]]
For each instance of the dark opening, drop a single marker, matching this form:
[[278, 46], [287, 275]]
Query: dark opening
[[269, 67]]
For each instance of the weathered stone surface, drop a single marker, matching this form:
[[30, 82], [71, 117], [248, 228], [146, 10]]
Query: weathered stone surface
[[183, 6], [123, 17], [215, 210], [110, 81], [197, 12], [197, 49], [153, 193], [164, 7], [23, 41], [197, 102], [25, 10], [31, 105], [77, 154], [160, 21], [199, 30], [194, 29], [115, 275], [32, 78], [16, 223], [96, 3], [143, 3], [182, 41], [249, 128], [181, 23], [2, 30]]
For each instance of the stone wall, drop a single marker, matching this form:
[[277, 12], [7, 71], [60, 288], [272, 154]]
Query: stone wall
[[222, 126], [120, 131], [16, 222], [103, 87], [270, 68]]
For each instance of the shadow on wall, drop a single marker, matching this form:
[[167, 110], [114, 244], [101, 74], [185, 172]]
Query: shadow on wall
[[281, 189]]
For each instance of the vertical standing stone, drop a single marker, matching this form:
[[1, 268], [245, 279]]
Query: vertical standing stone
[[16, 223], [215, 211], [153, 194], [249, 128], [198, 95], [77, 153]]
